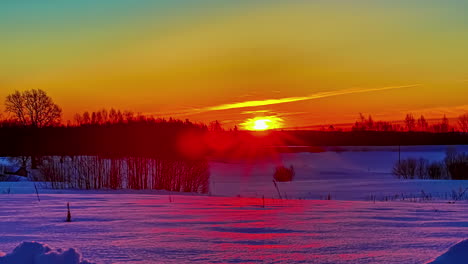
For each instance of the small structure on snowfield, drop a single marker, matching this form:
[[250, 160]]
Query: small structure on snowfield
[[283, 174]]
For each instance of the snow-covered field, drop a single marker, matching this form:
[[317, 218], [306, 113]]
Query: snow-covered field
[[142, 228], [155, 227], [347, 175]]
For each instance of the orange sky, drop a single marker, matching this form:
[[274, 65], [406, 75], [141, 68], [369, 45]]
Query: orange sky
[[304, 62]]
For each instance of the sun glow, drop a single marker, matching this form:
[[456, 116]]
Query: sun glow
[[263, 123]]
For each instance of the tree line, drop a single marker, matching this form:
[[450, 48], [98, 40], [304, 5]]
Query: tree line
[[104, 149], [453, 167], [138, 173], [35, 129], [34, 108], [412, 124]]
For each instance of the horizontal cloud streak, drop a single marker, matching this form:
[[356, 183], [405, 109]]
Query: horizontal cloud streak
[[256, 103], [297, 99]]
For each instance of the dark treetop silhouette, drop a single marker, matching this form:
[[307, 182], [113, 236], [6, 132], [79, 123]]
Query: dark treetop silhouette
[[33, 108]]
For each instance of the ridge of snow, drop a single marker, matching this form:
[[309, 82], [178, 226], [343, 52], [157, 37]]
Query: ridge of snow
[[457, 254], [39, 253]]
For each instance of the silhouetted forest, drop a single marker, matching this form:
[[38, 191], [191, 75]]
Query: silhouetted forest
[[183, 139], [119, 149], [104, 149], [35, 129], [410, 124], [148, 138], [142, 153], [96, 172], [370, 138]]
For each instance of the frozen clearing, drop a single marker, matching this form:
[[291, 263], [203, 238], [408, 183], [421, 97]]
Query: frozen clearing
[[356, 173], [142, 228], [154, 227], [352, 174]]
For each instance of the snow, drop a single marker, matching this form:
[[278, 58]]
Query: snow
[[354, 173], [143, 228], [235, 225], [13, 178], [8, 164], [457, 254], [38, 253]]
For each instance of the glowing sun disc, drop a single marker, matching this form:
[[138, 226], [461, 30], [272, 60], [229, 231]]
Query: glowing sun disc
[[263, 123]]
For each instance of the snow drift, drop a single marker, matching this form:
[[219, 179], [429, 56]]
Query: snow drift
[[457, 254], [38, 253]]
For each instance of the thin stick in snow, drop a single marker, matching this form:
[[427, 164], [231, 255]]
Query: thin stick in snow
[[68, 213], [37, 192], [277, 189]]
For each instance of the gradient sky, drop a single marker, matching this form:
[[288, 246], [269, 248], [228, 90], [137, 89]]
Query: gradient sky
[[306, 62]]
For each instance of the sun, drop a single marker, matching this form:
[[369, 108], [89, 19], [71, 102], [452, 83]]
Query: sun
[[263, 123]]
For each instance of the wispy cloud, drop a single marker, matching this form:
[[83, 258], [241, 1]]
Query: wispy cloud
[[301, 98], [255, 112], [256, 103], [439, 111]]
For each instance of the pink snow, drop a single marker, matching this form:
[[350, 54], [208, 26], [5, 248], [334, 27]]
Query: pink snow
[[38, 253], [151, 227]]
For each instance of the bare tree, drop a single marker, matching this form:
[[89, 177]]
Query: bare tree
[[215, 126], [93, 118], [364, 124], [33, 108], [86, 118], [410, 122], [14, 103], [445, 127], [422, 123], [370, 123], [130, 116], [78, 119], [105, 116], [463, 123]]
